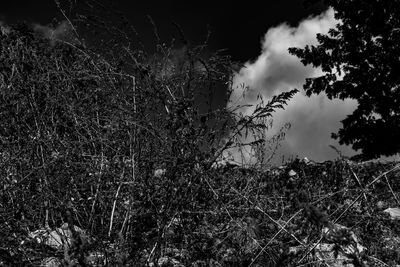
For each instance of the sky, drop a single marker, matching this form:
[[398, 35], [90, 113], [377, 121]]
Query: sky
[[312, 119], [255, 34], [235, 27]]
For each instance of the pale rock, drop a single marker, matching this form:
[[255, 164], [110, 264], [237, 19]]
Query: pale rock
[[59, 238], [380, 204], [307, 161], [159, 173], [224, 163], [393, 212]]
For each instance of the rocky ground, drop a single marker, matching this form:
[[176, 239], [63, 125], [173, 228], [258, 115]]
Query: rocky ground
[[336, 213]]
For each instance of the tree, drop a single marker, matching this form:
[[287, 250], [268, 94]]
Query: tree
[[360, 60]]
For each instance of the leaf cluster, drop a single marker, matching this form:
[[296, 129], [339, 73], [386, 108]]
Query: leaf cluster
[[359, 58]]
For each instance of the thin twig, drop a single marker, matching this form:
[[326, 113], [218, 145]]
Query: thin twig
[[269, 217], [309, 251], [345, 211], [151, 252], [357, 180], [229, 214], [113, 209], [335, 221], [66, 17], [212, 189], [383, 174], [351, 204], [391, 190], [276, 234], [97, 189], [378, 260]]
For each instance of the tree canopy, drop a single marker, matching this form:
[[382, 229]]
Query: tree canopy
[[360, 59]]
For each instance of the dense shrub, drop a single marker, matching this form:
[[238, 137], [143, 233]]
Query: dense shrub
[[124, 151]]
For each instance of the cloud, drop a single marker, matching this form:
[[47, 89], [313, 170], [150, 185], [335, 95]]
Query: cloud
[[4, 29], [62, 31], [274, 71]]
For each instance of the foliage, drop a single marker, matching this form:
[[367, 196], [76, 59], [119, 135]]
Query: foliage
[[82, 135], [118, 145], [360, 61]]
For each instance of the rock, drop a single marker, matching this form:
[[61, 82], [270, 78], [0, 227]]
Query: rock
[[51, 262], [380, 204], [222, 164], [96, 258], [306, 161], [324, 251], [393, 212], [292, 173], [159, 173], [391, 242], [167, 261], [59, 238]]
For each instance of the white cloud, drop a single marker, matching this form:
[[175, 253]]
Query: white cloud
[[274, 71]]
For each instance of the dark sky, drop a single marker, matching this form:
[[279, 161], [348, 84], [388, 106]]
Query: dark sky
[[235, 27], [251, 33]]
